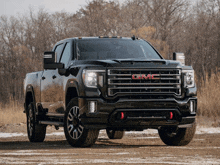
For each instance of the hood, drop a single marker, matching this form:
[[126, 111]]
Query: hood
[[132, 63]]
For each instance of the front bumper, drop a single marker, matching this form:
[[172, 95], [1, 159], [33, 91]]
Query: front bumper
[[138, 114]]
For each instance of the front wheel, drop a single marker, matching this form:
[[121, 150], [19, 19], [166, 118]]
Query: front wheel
[[76, 134], [36, 132], [177, 137]]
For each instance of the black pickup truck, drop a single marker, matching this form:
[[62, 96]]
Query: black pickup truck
[[113, 83]]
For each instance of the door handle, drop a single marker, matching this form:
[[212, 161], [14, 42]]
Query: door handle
[[54, 77], [43, 78]]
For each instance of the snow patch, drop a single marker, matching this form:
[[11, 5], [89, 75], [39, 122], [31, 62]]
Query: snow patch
[[7, 135], [55, 134], [199, 130], [150, 137], [207, 130], [145, 160], [145, 132]]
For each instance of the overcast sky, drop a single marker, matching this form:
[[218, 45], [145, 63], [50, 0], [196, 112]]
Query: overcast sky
[[13, 7]]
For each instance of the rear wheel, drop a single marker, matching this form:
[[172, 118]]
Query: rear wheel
[[76, 134], [36, 132], [112, 134], [177, 137]]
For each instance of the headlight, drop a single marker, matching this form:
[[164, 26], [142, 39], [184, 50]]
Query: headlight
[[91, 78], [189, 80]]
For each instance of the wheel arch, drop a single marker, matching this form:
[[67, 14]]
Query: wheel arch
[[71, 93], [29, 97]]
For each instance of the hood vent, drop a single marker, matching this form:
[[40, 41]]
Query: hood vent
[[158, 62]]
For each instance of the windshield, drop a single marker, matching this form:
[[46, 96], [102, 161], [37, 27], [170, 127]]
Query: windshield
[[107, 49]]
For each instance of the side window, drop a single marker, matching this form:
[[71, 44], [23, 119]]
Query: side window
[[66, 54], [58, 50]]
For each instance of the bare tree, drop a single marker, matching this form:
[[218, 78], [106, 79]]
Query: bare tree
[[200, 39], [98, 18], [170, 25], [135, 15]]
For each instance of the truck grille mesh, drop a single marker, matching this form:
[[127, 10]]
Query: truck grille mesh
[[144, 81]]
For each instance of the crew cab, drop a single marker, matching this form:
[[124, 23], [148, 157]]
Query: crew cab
[[114, 83]]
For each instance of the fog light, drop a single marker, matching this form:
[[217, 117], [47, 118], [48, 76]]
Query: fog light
[[92, 106], [192, 107]]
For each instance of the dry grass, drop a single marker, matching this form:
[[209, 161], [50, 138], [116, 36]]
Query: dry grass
[[209, 97], [12, 113]]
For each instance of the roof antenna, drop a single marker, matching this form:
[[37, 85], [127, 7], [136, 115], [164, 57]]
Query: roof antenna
[[133, 38]]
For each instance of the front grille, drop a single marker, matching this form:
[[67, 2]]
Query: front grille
[[144, 81]]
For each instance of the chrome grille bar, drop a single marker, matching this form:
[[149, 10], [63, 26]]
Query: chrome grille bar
[[167, 81]]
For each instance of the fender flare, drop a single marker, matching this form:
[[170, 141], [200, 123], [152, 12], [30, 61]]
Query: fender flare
[[71, 83], [29, 89]]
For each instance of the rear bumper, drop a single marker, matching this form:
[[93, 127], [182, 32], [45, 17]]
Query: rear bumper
[[138, 114]]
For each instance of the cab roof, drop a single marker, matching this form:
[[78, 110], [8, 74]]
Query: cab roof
[[99, 37]]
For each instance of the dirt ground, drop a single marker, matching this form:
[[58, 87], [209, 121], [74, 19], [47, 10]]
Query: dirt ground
[[135, 148]]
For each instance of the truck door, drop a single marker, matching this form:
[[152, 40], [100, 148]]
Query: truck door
[[48, 85], [59, 83], [54, 94]]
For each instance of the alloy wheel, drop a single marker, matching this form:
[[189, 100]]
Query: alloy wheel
[[74, 126]]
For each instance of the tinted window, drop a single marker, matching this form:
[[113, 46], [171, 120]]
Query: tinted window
[[115, 49], [66, 54], [58, 50]]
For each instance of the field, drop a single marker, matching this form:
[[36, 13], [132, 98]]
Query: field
[[135, 148], [209, 97], [12, 113]]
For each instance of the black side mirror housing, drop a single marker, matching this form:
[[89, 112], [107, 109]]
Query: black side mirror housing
[[50, 61], [64, 72], [179, 57]]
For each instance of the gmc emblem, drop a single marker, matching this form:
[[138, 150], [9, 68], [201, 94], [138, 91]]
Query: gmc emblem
[[146, 77]]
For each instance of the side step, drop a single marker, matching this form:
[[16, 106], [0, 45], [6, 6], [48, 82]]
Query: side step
[[55, 123], [55, 115]]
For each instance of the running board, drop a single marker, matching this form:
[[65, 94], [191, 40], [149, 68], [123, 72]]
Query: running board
[[60, 124], [55, 115]]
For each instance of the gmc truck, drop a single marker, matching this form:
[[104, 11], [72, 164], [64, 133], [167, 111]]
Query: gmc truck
[[114, 83]]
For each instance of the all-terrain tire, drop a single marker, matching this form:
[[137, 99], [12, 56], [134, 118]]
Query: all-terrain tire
[[36, 132], [179, 137], [76, 134], [112, 134]]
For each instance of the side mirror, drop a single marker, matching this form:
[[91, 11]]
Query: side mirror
[[64, 72], [50, 61], [179, 57]]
